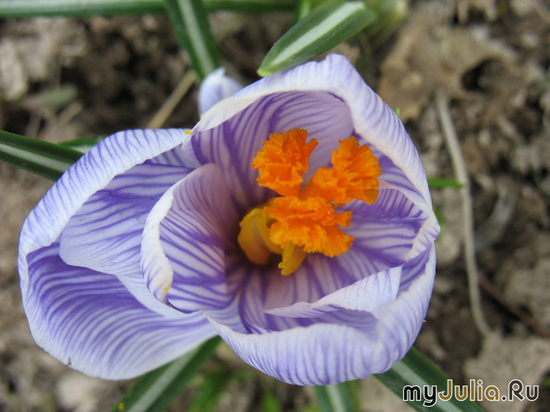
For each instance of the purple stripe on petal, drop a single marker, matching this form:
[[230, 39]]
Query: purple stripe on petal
[[216, 87], [113, 156], [370, 294], [403, 318], [185, 241], [91, 321], [233, 144], [341, 345], [105, 234]]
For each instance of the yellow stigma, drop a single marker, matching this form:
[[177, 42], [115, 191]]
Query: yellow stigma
[[304, 219]]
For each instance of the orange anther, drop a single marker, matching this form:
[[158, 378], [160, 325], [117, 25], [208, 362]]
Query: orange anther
[[283, 160], [304, 219]]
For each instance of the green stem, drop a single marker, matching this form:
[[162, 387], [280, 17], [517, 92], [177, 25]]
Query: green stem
[[84, 8], [42, 158], [192, 29], [415, 371], [156, 390]]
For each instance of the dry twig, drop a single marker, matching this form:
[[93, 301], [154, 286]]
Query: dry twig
[[170, 104], [461, 174]]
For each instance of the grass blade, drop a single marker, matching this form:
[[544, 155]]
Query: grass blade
[[83, 8], [322, 29], [251, 5], [82, 145], [337, 398], [436, 183], [416, 370], [42, 158], [192, 29], [154, 391]]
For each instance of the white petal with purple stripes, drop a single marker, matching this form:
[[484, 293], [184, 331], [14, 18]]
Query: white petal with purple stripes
[[105, 234], [371, 119], [235, 143], [185, 240], [326, 353], [371, 294], [216, 87], [90, 321], [93, 172]]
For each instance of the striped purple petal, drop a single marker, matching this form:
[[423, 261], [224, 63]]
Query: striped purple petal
[[342, 345], [384, 235], [186, 237], [233, 144], [216, 87], [91, 322], [135, 246], [105, 233], [94, 172], [362, 113], [86, 317]]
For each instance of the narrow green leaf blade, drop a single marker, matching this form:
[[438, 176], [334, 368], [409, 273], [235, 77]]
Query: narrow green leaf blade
[[259, 6], [437, 183], [391, 14], [210, 390], [322, 29], [192, 28], [154, 391], [82, 145], [416, 370], [304, 7], [42, 158], [83, 8], [337, 398]]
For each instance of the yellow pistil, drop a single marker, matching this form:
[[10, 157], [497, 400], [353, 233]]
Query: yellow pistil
[[304, 219], [254, 237]]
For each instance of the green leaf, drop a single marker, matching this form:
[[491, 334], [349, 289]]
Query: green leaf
[[416, 370], [209, 390], [154, 391], [192, 29], [391, 14], [341, 397], [322, 29], [437, 183], [270, 402], [305, 7], [42, 158], [83, 8], [82, 145], [251, 5]]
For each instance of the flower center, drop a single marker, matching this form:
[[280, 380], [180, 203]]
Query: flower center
[[304, 218]]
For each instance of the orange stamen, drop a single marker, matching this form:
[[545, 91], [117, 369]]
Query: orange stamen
[[309, 223], [354, 175], [304, 220], [283, 160]]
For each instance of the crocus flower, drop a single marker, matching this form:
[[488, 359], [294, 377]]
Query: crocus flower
[[294, 221]]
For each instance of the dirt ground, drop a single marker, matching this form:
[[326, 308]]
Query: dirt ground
[[484, 62]]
